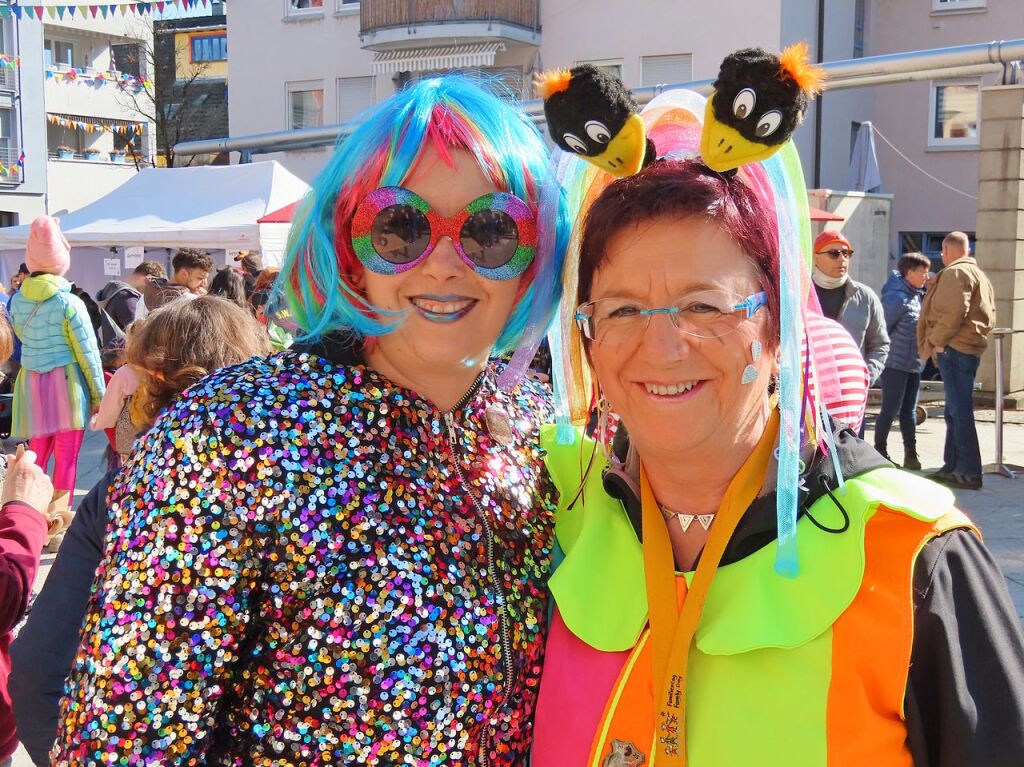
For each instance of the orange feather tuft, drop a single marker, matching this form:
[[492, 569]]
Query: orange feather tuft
[[795, 63], [552, 82]]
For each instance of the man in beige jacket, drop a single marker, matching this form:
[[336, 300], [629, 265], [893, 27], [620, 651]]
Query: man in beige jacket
[[958, 312]]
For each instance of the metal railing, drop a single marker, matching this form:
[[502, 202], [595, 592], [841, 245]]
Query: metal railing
[[9, 78], [9, 156], [384, 14], [1000, 466]]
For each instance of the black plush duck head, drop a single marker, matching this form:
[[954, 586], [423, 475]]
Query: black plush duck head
[[759, 100], [592, 114]]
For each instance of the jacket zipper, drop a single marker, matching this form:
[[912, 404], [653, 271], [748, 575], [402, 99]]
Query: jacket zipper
[[492, 573]]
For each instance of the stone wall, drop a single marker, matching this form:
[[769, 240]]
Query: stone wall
[[1000, 229]]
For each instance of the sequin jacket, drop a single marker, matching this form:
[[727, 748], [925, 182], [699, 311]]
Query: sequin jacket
[[297, 574]]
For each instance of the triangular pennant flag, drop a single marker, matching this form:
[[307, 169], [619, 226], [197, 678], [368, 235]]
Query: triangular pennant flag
[[124, 9], [17, 11], [94, 9], [160, 7], [60, 11], [52, 11], [5, 11], [71, 11], [84, 10], [103, 10]]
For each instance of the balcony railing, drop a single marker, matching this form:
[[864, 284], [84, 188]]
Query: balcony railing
[[9, 78], [9, 157], [382, 14]]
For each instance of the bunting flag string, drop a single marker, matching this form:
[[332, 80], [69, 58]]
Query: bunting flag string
[[35, 10], [89, 127], [17, 170], [9, 62], [79, 75]]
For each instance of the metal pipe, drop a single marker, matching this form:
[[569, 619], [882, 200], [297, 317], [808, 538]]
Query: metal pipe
[[818, 118], [978, 58], [1000, 466]]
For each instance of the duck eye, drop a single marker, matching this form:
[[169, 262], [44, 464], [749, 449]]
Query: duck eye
[[744, 102], [575, 143], [768, 123], [598, 132]]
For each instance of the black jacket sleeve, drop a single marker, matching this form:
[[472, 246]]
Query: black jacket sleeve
[[42, 655], [965, 693]]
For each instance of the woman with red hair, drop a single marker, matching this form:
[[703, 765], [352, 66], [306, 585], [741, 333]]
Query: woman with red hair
[[677, 638]]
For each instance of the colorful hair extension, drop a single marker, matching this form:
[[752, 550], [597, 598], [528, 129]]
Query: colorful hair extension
[[318, 284], [673, 120]]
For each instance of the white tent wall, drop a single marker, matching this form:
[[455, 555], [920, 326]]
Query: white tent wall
[[214, 208], [273, 239]]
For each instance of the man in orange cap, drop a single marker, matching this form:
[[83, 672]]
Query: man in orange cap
[[854, 305]]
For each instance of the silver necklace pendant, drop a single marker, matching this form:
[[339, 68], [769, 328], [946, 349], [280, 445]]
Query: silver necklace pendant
[[685, 520], [499, 425]]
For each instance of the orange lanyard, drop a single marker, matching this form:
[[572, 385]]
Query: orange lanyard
[[671, 630]]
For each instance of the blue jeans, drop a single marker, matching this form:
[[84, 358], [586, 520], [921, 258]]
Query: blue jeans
[[962, 454], [899, 395]]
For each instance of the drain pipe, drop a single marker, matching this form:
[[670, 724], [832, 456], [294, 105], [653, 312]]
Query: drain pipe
[[818, 103]]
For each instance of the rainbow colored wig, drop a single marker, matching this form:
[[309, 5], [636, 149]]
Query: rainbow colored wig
[[317, 286]]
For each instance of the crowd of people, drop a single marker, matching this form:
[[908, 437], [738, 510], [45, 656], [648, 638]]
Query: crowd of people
[[339, 526]]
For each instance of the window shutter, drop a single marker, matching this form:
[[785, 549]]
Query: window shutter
[[354, 95], [660, 70]]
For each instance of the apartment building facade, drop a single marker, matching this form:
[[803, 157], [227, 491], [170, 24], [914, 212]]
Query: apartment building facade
[[356, 53], [22, 119], [191, 68], [95, 71]]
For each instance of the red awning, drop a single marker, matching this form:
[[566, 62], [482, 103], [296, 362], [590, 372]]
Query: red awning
[[817, 214], [284, 215]]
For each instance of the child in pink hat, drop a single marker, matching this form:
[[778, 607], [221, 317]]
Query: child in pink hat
[[61, 378]]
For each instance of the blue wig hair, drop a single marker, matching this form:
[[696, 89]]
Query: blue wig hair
[[317, 285]]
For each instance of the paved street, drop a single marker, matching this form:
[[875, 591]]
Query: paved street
[[998, 509]]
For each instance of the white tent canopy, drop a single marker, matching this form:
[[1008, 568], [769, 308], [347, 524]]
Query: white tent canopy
[[211, 207]]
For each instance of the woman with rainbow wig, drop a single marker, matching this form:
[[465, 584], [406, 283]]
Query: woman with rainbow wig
[[741, 580], [338, 554]]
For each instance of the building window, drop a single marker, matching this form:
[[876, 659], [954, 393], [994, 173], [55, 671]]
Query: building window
[[858, 28], [928, 243], [5, 136], [940, 6], [209, 48], [346, 6], [305, 105], [57, 52], [612, 67], [127, 58], [662, 70], [304, 6], [953, 114], [8, 218], [355, 94]]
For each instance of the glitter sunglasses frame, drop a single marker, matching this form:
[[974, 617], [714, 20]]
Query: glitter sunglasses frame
[[381, 200]]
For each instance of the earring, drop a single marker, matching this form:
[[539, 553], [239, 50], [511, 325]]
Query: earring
[[750, 372]]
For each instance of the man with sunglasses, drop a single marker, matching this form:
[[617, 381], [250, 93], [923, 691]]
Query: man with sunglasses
[[854, 305]]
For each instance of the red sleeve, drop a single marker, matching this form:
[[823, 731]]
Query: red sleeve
[[22, 535]]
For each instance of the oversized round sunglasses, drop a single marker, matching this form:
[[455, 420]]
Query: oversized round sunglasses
[[394, 229]]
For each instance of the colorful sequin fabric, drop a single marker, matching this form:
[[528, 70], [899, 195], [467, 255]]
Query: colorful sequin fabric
[[297, 576]]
